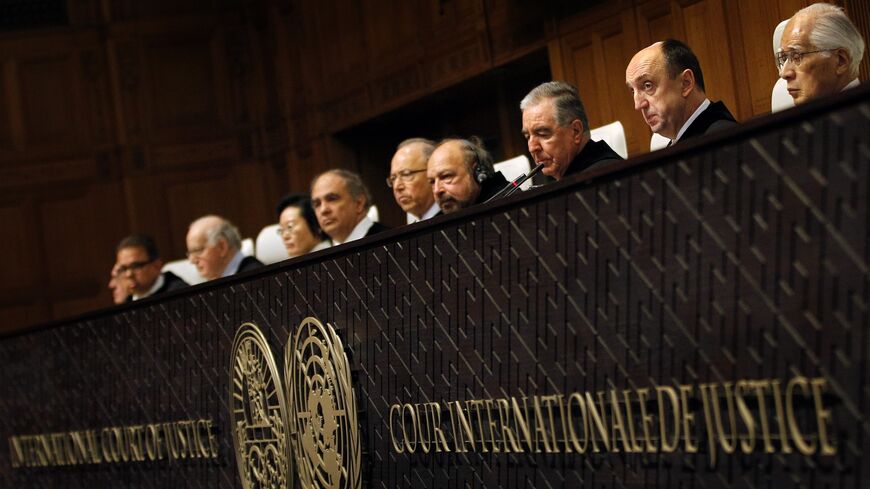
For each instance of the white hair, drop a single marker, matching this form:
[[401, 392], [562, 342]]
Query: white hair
[[832, 29]]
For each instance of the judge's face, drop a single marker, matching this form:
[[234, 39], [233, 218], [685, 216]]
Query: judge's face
[[337, 211], [295, 232], [657, 96], [819, 73], [135, 270], [452, 185], [410, 187], [550, 144], [210, 259]]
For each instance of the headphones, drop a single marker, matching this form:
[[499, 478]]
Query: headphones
[[482, 165]]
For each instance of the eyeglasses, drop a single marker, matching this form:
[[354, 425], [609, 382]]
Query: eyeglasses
[[794, 56], [132, 267], [405, 175], [282, 230]]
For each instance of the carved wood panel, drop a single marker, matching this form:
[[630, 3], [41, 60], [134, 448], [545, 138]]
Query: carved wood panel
[[594, 57]]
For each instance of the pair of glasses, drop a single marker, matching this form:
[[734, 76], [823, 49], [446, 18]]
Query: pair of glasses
[[796, 57], [282, 230], [132, 267], [405, 175]]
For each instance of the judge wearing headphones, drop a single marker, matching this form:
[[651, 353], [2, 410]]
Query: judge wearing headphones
[[461, 174]]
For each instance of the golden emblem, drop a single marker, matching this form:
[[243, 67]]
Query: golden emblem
[[321, 408], [258, 412]]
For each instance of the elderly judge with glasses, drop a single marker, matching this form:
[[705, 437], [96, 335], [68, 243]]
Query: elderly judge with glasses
[[820, 53], [408, 179]]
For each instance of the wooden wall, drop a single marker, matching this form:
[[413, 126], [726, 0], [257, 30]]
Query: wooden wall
[[141, 116]]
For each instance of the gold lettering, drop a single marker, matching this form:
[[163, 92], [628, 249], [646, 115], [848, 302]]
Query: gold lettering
[[492, 426], [507, 434], [728, 441], [475, 405], [423, 420], [629, 418], [94, 454], [171, 438], [407, 408], [540, 427], [137, 448], [618, 425], [548, 402], [760, 386], [212, 438], [688, 418], [395, 410], [711, 432], [646, 420], [806, 448], [15, 451], [584, 416], [203, 427], [105, 444], [521, 421], [780, 417], [671, 394], [151, 441], [190, 428], [437, 432], [79, 444], [560, 399], [823, 416], [466, 434], [118, 438], [747, 443], [598, 421], [182, 439], [56, 456]]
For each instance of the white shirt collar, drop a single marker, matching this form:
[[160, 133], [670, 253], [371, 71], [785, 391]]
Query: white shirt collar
[[321, 246], [701, 108], [852, 84], [427, 215], [358, 232], [233, 265], [157, 284]]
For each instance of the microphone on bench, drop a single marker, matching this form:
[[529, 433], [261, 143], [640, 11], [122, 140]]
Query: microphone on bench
[[513, 186]]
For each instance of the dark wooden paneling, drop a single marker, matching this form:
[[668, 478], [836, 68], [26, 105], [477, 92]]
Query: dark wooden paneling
[[594, 57], [182, 86], [20, 243]]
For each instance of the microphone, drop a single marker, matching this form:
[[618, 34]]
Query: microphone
[[513, 186]]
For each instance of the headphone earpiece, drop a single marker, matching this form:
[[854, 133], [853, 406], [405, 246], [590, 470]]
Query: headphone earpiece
[[481, 171]]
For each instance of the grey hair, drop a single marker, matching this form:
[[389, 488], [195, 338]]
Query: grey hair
[[426, 149], [832, 29], [224, 230], [354, 183], [566, 102]]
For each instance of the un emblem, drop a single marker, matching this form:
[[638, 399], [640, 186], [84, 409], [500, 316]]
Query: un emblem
[[258, 412], [322, 409]]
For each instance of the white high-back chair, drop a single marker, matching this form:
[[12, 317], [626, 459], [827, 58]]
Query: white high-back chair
[[657, 142], [373, 213], [779, 97], [248, 247], [614, 135], [270, 249], [513, 168], [184, 269]]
